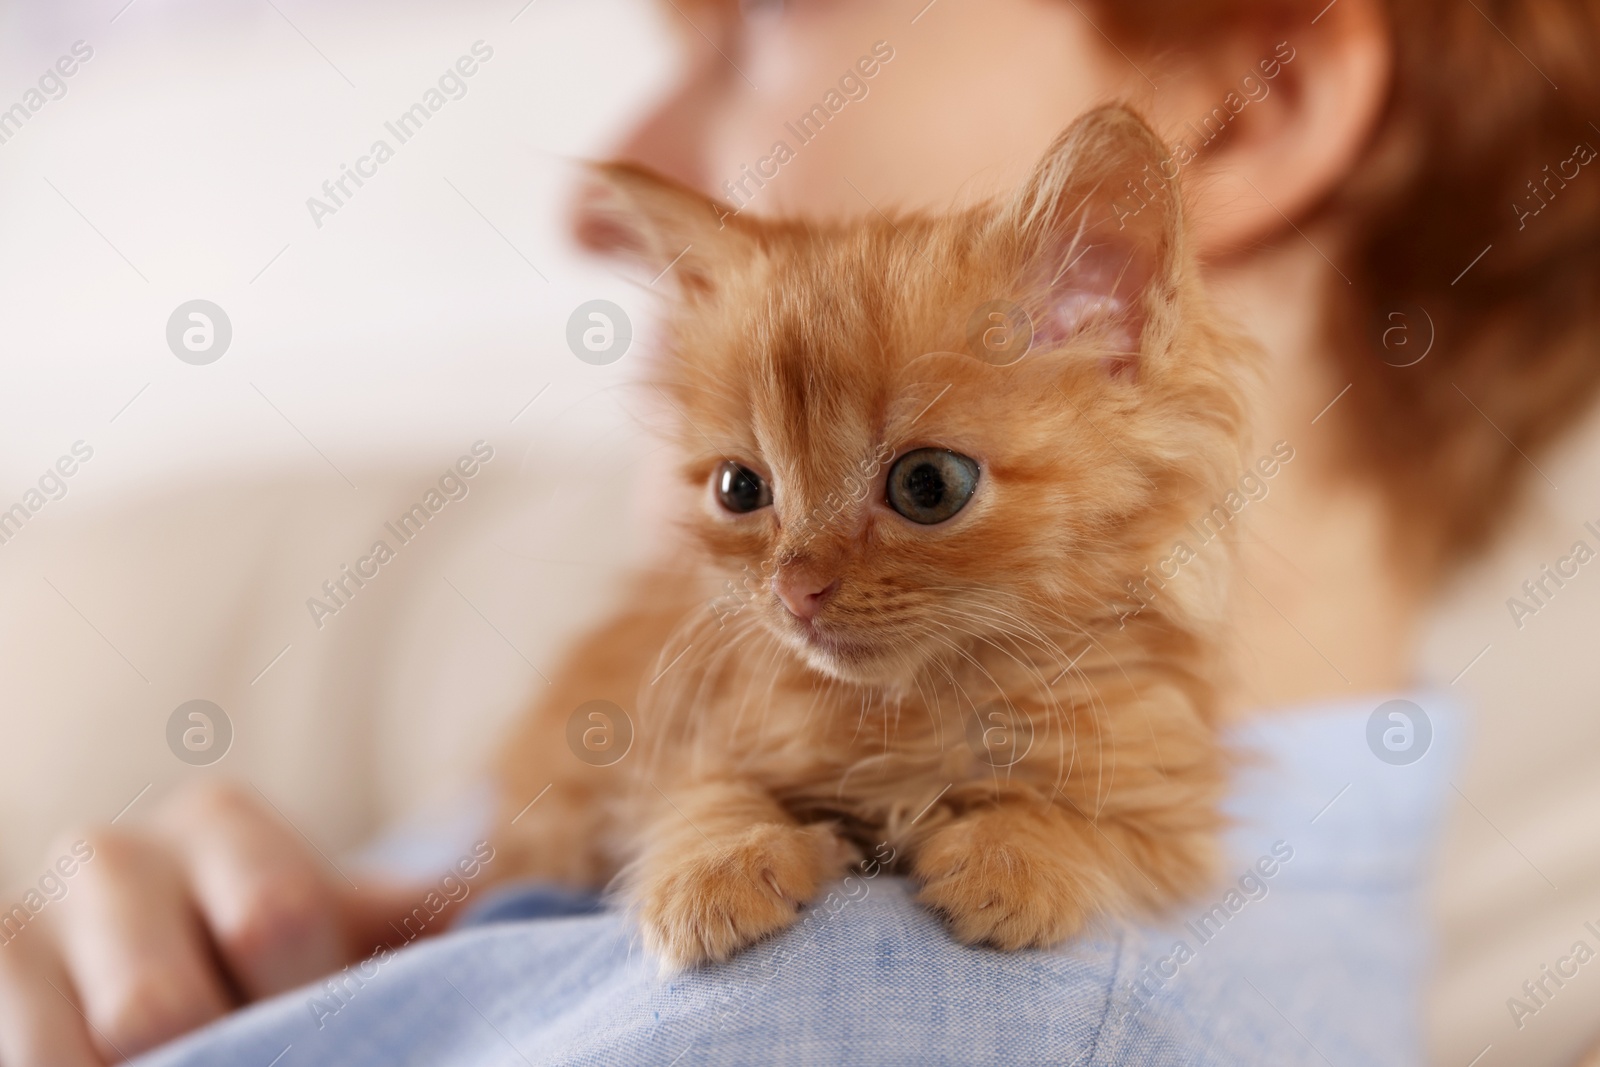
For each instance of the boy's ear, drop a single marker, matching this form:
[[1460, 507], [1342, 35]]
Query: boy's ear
[[1099, 227], [628, 209]]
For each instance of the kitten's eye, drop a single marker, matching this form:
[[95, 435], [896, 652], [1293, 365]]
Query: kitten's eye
[[740, 489], [931, 484]]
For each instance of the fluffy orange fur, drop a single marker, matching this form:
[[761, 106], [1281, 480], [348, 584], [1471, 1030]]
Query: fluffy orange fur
[[984, 694]]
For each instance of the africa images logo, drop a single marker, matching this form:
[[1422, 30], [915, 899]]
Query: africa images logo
[[1399, 732]]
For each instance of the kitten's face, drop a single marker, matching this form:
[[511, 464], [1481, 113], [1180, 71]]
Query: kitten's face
[[880, 487], [877, 495]]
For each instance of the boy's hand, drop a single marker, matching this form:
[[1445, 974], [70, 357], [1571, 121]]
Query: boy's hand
[[213, 903]]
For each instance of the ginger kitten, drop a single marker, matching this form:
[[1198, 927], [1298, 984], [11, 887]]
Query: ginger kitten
[[905, 611]]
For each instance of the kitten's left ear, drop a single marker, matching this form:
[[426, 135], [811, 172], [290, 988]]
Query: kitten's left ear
[[626, 208], [1100, 226]]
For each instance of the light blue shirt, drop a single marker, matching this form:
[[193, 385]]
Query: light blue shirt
[[1313, 951]]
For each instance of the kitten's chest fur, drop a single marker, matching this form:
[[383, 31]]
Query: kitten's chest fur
[[994, 720]]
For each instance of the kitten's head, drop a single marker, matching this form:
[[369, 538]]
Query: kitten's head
[[873, 451]]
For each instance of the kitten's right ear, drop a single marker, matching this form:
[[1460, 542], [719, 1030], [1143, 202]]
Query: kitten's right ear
[[1099, 227], [628, 209]]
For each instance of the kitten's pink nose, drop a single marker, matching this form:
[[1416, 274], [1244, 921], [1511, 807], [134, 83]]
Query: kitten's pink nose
[[803, 594]]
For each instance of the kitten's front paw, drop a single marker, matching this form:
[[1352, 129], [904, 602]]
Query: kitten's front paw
[[1008, 878], [710, 903]]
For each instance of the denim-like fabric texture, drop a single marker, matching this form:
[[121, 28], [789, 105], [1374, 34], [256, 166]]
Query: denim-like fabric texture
[[1320, 962]]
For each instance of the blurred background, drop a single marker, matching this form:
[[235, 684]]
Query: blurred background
[[367, 354], [371, 347]]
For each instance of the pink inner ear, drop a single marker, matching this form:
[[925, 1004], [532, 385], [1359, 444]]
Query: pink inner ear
[[1100, 286], [599, 223]]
